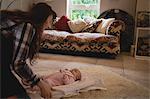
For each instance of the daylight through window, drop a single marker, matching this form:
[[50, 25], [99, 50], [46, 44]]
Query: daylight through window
[[79, 9]]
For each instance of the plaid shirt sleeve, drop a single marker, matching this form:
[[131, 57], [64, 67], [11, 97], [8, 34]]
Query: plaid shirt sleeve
[[23, 37]]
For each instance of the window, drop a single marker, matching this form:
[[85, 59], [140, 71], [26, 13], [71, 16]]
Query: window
[[79, 9]]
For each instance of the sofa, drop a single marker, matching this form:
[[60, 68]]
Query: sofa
[[88, 41]]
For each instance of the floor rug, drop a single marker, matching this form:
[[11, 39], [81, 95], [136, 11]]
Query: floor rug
[[117, 86]]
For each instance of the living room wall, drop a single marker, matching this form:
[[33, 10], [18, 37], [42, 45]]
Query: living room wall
[[17, 4], [126, 5]]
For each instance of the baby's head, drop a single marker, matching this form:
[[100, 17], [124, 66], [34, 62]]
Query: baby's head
[[76, 72]]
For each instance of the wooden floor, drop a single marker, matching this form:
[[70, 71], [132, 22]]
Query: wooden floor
[[125, 65]]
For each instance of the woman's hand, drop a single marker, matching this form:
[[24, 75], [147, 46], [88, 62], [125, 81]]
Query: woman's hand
[[45, 89]]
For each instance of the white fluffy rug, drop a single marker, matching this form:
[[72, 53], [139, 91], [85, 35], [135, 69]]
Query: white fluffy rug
[[117, 86]]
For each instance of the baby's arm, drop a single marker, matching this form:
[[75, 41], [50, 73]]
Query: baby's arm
[[68, 79]]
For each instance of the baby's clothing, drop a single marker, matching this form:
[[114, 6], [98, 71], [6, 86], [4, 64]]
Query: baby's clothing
[[63, 77]]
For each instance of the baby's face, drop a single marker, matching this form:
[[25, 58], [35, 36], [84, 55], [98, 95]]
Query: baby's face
[[76, 73]]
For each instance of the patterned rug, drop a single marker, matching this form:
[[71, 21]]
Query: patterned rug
[[117, 86]]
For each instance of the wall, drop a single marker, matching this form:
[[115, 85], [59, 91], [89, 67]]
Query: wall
[[127, 5], [143, 5], [59, 6], [18, 4]]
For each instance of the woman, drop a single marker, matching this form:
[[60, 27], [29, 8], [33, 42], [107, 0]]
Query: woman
[[20, 39]]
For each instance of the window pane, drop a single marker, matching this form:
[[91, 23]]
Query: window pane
[[82, 2], [80, 14]]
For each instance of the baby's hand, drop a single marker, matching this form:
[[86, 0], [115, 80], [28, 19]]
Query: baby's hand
[[35, 88]]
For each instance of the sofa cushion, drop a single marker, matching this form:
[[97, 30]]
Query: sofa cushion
[[90, 38], [62, 24], [77, 25], [54, 35], [103, 26]]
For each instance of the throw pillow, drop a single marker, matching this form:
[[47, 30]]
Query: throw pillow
[[62, 24], [92, 27], [103, 26], [77, 25], [89, 20]]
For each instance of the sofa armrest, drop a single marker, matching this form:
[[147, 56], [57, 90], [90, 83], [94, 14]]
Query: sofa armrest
[[115, 28]]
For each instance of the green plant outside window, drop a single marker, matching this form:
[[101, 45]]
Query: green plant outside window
[[80, 14], [84, 2]]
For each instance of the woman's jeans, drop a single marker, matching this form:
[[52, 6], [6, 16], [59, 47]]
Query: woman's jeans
[[10, 85]]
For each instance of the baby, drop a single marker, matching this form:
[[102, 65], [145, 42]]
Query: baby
[[63, 77]]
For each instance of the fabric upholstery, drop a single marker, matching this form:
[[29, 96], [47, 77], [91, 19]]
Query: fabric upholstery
[[115, 28], [85, 42]]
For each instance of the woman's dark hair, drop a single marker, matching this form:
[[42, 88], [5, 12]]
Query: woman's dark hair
[[37, 15], [40, 12]]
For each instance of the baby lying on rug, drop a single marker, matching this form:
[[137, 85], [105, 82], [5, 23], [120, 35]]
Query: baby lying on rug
[[63, 77], [66, 83]]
